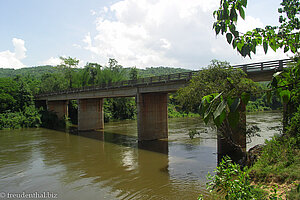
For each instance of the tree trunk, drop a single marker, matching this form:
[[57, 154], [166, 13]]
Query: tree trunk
[[232, 140]]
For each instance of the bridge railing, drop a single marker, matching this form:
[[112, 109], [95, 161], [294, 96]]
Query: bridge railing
[[275, 65], [264, 66]]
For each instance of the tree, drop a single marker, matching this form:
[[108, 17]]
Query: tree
[[67, 65], [51, 82], [285, 36], [220, 93], [92, 69], [133, 74]]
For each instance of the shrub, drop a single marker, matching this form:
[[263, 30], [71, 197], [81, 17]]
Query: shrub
[[232, 182], [30, 117]]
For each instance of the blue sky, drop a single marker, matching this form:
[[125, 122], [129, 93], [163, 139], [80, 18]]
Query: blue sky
[[141, 33]]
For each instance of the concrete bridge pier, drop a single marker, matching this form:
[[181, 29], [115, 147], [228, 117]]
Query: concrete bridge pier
[[152, 116], [90, 114], [59, 107]]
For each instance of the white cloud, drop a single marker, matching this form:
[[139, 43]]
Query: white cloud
[[93, 12], [10, 59], [249, 24], [146, 33], [54, 61], [76, 46]]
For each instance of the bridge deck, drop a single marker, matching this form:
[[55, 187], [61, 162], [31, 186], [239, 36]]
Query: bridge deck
[[261, 71]]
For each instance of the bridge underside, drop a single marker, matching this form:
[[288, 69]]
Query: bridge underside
[[58, 107], [152, 114], [259, 76]]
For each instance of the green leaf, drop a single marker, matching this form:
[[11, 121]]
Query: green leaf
[[219, 120], [221, 107], [273, 44], [245, 50], [234, 44], [265, 44], [229, 37], [229, 101], [240, 46], [207, 113], [244, 3], [217, 29], [286, 48], [269, 95], [233, 14], [236, 33], [216, 96], [245, 97], [277, 74], [233, 118], [242, 12], [235, 104], [202, 108], [207, 98], [285, 96], [274, 82]]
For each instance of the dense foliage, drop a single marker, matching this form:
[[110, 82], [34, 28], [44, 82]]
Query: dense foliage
[[17, 108], [279, 160], [17, 88], [232, 182], [219, 93], [285, 36]]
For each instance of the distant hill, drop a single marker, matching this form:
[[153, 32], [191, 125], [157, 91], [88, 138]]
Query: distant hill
[[158, 71], [34, 71], [40, 70]]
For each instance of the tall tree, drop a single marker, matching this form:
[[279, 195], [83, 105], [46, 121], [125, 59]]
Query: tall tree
[[133, 74], [92, 69], [67, 65]]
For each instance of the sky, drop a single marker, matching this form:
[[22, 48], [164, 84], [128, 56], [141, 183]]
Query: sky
[[137, 33]]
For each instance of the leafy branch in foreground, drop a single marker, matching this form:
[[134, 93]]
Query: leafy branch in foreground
[[286, 85], [285, 36]]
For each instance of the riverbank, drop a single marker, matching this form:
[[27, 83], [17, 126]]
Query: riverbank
[[274, 175]]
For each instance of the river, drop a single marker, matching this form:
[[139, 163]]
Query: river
[[112, 164]]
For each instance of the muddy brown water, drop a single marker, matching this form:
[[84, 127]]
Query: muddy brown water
[[113, 164]]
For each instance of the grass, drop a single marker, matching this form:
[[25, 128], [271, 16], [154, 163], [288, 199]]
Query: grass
[[279, 162]]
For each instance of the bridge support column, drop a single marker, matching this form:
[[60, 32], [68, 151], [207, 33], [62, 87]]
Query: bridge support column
[[59, 107], [90, 114], [238, 135], [152, 116]]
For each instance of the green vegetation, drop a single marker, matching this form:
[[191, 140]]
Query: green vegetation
[[16, 104], [17, 88], [231, 182], [279, 161], [260, 102], [219, 94], [285, 36]]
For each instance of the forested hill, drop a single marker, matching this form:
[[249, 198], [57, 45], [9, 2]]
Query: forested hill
[[34, 71], [157, 71], [40, 70]]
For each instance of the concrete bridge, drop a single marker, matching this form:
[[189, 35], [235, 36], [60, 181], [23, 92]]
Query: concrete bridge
[[151, 95]]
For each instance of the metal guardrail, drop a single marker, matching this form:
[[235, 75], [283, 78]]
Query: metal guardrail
[[276, 65]]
